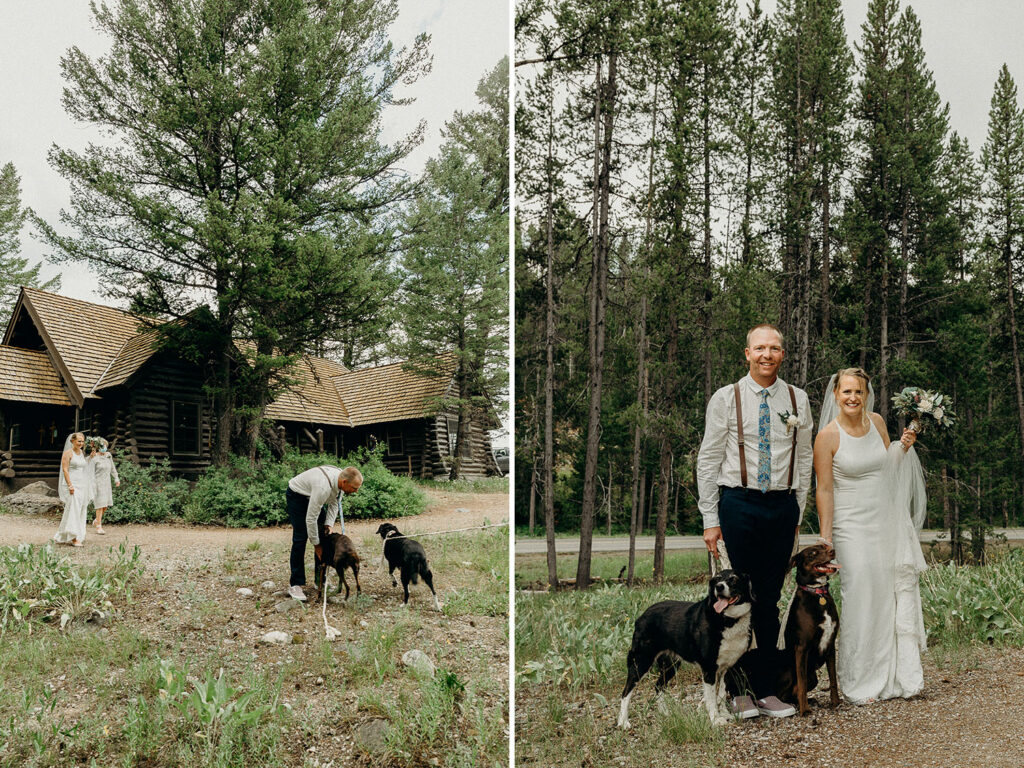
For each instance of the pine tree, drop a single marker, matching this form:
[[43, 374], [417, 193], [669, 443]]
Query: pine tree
[[811, 91], [871, 223], [455, 295], [15, 270], [248, 176], [1002, 158]]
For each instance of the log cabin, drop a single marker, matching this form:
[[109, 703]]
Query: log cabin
[[69, 365]]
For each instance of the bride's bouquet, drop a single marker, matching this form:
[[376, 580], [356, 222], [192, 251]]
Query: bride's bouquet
[[923, 407]]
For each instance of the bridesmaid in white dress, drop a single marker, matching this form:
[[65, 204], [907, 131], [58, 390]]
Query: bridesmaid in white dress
[[103, 468], [855, 499], [74, 487]]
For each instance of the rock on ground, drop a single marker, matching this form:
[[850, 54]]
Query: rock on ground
[[276, 637], [32, 504], [419, 662], [40, 488]]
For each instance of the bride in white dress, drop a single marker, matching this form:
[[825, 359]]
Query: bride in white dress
[[867, 498], [75, 489]]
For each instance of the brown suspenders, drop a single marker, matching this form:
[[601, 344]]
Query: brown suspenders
[[739, 436]]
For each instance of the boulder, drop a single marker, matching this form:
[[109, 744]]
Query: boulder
[[40, 488], [244, 592], [22, 503]]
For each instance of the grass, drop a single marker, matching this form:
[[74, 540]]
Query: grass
[[680, 566], [571, 649], [178, 679], [479, 485]]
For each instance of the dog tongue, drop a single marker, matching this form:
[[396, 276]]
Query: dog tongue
[[721, 604]]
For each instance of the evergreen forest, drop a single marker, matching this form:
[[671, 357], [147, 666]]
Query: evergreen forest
[[688, 170]]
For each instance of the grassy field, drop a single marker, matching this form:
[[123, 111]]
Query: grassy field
[[132, 662], [680, 566], [571, 650]]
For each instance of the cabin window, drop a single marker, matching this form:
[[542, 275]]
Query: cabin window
[[396, 445], [185, 424], [14, 437], [453, 434]]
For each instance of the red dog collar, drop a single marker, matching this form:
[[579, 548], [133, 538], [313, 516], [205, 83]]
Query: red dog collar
[[814, 590]]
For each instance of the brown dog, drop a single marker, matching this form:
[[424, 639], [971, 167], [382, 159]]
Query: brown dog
[[338, 553], [811, 628]]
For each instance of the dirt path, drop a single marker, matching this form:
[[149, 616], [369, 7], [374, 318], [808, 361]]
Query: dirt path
[[966, 718], [165, 545]]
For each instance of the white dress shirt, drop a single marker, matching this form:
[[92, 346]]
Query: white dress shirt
[[320, 484], [718, 461]]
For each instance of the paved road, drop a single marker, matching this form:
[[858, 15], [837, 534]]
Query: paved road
[[646, 543]]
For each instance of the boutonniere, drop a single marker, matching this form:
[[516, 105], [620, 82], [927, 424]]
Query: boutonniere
[[791, 420]]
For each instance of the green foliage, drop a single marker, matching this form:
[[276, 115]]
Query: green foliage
[[969, 604], [39, 585], [475, 485], [14, 269], [148, 493], [182, 720], [455, 263], [254, 177], [247, 495]]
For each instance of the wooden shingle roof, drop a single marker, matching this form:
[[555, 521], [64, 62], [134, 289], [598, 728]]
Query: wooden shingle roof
[[132, 356], [29, 376], [92, 348], [392, 393], [84, 335], [313, 397]]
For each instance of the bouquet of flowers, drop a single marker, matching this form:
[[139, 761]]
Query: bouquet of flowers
[[923, 407]]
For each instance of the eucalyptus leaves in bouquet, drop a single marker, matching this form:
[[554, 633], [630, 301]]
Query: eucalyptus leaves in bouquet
[[923, 408]]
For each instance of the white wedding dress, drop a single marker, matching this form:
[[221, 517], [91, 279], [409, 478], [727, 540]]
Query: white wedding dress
[[881, 630], [72, 524]]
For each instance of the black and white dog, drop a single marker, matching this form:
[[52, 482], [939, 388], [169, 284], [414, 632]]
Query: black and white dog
[[712, 633], [407, 555]]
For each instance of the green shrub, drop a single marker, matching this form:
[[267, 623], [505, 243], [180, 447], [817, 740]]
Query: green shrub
[[147, 492], [38, 584], [247, 495], [966, 604]]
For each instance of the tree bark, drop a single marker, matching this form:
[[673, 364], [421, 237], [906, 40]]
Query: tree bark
[[641, 373], [599, 288], [549, 365], [826, 253]]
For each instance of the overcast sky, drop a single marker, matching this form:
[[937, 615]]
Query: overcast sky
[[468, 39], [965, 44]]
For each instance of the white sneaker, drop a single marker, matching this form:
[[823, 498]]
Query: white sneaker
[[296, 592]]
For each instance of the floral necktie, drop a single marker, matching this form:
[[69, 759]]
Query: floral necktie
[[764, 444]]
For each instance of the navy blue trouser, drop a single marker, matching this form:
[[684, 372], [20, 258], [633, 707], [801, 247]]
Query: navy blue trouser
[[758, 530], [298, 504]]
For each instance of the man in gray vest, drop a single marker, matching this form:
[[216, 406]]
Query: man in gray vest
[[753, 474], [314, 500]]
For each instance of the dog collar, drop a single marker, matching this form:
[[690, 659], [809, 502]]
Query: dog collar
[[819, 591], [815, 590]]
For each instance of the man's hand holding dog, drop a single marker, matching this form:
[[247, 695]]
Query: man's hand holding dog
[[711, 538]]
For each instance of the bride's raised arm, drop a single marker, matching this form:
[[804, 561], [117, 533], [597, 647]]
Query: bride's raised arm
[[825, 446]]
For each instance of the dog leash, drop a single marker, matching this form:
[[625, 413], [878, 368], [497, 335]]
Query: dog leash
[[331, 632], [391, 535]]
